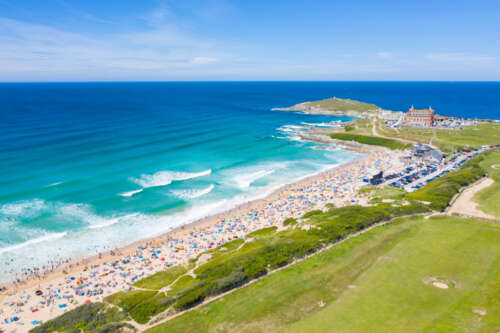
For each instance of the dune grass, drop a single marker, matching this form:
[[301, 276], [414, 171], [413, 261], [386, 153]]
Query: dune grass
[[371, 140], [380, 281], [161, 279], [88, 318], [380, 193]]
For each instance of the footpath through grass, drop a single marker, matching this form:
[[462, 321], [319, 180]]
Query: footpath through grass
[[380, 281], [371, 140]]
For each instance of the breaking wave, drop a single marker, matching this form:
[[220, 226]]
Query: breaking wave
[[163, 178], [245, 180], [191, 194]]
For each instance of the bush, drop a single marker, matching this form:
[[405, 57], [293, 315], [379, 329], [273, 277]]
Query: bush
[[232, 281], [290, 221], [312, 213], [192, 297]]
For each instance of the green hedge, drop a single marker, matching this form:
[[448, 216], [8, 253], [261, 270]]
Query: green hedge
[[371, 140]]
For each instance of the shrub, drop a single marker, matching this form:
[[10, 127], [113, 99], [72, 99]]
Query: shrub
[[290, 221], [312, 213], [191, 297]]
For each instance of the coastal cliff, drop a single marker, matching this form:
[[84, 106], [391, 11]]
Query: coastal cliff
[[335, 106]]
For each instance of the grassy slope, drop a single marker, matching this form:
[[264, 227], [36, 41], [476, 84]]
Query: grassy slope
[[371, 140], [378, 193], [391, 295], [489, 198], [448, 140], [387, 265], [161, 279], [341, 104]]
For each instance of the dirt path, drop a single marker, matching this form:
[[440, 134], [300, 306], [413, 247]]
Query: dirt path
[[375, 133], [465, 206]]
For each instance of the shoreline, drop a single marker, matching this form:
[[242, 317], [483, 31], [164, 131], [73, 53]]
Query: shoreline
[[177, 232], [102, 275]]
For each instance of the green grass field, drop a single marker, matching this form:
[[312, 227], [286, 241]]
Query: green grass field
[[371, 140], [341, 104], [489, 198], [380, 281], [448, 140]]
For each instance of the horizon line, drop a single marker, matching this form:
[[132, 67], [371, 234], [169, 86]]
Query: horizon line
[[257, 81]]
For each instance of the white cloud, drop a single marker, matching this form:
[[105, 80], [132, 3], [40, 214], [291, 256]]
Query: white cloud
[[461, 58], [35, 50], [203, 60], [384, 54]]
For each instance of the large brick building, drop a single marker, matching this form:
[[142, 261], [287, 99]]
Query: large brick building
[[422, 118]]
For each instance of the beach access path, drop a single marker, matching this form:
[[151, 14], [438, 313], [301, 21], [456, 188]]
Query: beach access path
[[464, 205]]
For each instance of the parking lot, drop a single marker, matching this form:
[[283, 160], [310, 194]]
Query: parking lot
[[414, 177]]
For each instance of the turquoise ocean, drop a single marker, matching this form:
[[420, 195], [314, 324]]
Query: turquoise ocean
[[86, 167]]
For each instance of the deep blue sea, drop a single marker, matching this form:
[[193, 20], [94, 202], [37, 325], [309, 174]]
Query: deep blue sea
[[90, 166]]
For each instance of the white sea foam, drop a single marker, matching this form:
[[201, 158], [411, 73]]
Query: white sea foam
[[22, 209], [163, 178], [192, 193], [103, 224], [45, 238], [245, 180], [290, 128], [54, 184], [328, 125], [130, 193]]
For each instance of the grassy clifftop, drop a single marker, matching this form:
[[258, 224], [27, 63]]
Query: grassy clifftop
[[341, 104]]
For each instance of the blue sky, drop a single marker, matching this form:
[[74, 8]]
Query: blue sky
[[132, 40]]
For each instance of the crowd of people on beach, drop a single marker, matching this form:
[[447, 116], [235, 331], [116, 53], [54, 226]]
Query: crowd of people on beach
[[46, 292]]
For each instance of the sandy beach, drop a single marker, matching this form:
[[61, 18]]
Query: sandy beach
[[41, 296]]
